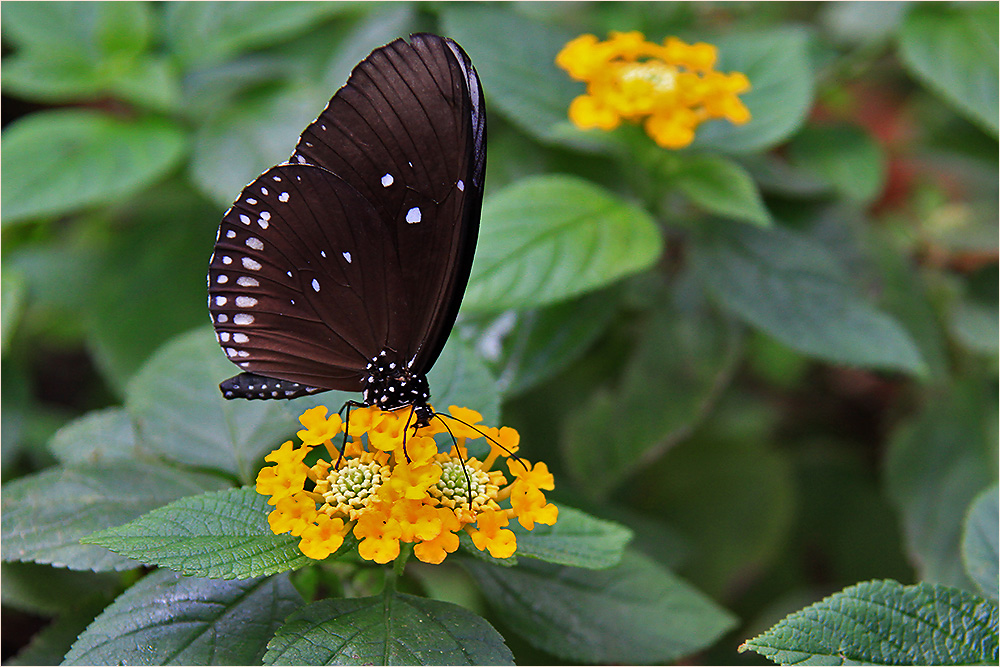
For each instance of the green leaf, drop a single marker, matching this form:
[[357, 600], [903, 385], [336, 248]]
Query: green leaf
[[221, 535], [205, 33], [519, 76], [46, 514], [93, 29], [777, 64], [844, 156], [232, 147], [140, 277], [722, 187], [952, 48], [618, 429], [547, 238], [182, 416], [796, 291], [634, 613], [460, 377], [88, 158], [577, 539], [979, 542], [974, 325], [13, 294], [936, 464], [885, 623], [99, 436], [166, 619], [53, 77], [391, 629], [546, 340]]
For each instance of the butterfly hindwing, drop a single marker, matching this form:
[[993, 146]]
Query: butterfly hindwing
[[298, 262]]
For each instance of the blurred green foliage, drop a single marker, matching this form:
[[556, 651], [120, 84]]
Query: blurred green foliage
[[772, 355]]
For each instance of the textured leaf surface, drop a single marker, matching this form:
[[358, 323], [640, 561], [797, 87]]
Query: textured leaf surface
[[166, 619], [886, 623], [797, 292], [979, 542], [181, 415], [38, 526], [634, 613], [56, 162], [393, 629], [777, 64], [722, 187], [222, 535], [953, 49], [547, 238], [576, 539]]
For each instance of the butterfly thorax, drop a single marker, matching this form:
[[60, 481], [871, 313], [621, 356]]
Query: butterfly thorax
[[391, 385]]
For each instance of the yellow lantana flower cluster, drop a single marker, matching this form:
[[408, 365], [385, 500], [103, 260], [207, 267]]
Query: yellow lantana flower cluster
[[672, 86], [387, 494]]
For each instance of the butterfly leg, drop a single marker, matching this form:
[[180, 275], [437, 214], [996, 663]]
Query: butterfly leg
[[347, 424]]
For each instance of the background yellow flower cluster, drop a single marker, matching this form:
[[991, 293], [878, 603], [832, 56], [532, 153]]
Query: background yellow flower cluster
[[672, 86]]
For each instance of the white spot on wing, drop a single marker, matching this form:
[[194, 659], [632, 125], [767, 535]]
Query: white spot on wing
[[223, 336], [242, 318], [245, 302], [251, 201], [387, 180], [247, 281], [240, 338], [222, 278], [315, 285], [230, 234], [265, 215], [263, 190], [322, 253], [250, 264], [222, 318], [283, 197], [413, 215], [255, 243], [244, 218], [220, 300], [226, 259], [347, 256], [461, 185]]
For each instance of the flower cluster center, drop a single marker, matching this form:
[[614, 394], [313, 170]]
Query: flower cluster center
[[454, 486], [352, 486], [663, 78]]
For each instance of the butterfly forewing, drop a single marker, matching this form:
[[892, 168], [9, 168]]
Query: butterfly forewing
[[408, 132]]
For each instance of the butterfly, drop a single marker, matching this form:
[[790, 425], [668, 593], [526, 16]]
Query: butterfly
[[344, 267]]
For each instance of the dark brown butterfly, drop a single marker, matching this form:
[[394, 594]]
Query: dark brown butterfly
[[344, 268]]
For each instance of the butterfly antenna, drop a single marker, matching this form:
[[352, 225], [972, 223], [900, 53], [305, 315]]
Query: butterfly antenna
[[485, 435], [468, 480]]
